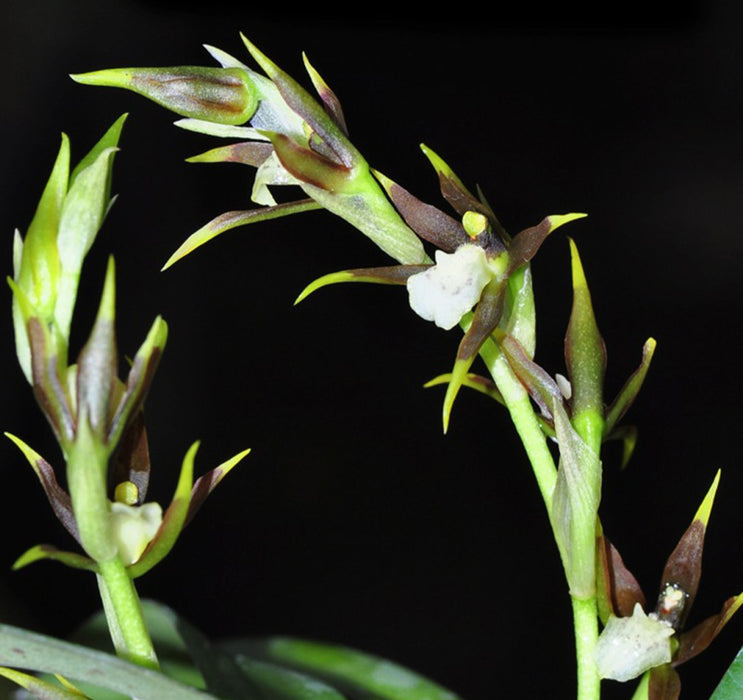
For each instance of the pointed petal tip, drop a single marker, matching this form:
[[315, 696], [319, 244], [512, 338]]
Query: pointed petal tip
[[705, 508], [557, 220]]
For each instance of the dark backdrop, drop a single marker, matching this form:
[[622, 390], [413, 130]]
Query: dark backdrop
[[355, 520]]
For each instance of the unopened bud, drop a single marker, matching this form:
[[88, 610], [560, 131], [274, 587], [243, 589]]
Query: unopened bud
[[221, 95]]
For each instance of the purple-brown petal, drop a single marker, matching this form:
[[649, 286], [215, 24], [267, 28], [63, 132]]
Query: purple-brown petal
[[618, 588], [429, 222], [664, 683], [697, 639]]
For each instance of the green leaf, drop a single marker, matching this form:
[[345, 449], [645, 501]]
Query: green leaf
[[731, 684], [182, 651], [22, 649], [351, 671]]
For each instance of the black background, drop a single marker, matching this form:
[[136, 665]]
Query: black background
[[355, 520]]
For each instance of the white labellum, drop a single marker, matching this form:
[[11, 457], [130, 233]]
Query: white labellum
[[448, 290], [134, 527], [629, 646]]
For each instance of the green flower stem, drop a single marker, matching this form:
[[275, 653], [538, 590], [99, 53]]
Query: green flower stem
[[527, 426], [585, 623], [87, 466], [585, 617], [123, 610]]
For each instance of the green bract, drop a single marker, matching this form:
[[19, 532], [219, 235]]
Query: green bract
[[47, 262]]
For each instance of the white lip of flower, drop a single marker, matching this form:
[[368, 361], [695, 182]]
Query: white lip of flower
[[629, 646], [134, 527], [445, 292]]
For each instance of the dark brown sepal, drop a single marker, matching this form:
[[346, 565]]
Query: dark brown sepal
[[526, 243], [684, 566], [664, 683], [131, 459], [48, 387], [485, 319], [698, 638], [429, 222], [542, 388], [618, 589], [58, 498], [458, 196]]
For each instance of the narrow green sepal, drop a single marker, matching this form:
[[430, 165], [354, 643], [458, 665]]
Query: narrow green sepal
[[205, 484], [628, 393], [187, 499], [233, 219], [42, 689], [174, 519], [628, 434], [393, 275], [329, 99], [47, 552], [140, 377], [58, 498], [221, 95]]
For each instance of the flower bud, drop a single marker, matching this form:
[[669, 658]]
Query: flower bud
[[221, 95]]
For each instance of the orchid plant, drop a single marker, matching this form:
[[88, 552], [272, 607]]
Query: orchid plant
[[460, 268]]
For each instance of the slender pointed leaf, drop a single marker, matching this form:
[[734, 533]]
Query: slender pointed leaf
[[353, 672], [730, 686], [30, 651]]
